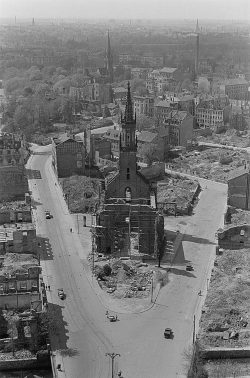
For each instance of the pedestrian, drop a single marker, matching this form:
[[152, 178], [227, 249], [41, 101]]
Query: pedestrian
[[46, 287], [49, 287]]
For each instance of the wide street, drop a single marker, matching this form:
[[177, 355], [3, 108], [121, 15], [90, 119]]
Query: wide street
[[85, 334]]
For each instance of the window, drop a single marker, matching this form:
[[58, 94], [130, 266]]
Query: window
[[128, 174], [128, 195]]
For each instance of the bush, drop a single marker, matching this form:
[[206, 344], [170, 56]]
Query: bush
[[107, 270]]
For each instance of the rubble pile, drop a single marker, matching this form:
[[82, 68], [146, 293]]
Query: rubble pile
[[225, 317], [230, 138], [124, 279], [177, 190], [212, 163]]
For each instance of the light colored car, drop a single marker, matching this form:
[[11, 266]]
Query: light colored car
[[61, 294]]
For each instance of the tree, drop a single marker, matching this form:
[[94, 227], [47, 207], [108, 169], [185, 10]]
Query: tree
[[149, 152]]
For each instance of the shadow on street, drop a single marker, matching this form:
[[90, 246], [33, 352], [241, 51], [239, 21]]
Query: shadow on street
[[57, 327], [44, 249]]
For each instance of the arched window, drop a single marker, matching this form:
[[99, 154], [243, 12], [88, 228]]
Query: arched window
[[128, 194]]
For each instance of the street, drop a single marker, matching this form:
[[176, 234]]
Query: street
[[85, 334]]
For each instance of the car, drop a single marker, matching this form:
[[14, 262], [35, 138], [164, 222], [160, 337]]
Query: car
[[61, 294], [47, 214], [189, 267], [168, 333]]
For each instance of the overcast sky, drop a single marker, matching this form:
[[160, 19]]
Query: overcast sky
[[173, 9]]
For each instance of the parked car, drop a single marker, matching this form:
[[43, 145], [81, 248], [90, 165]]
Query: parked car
[[189, 267], [47, 214], [168, 333], [61, 294]]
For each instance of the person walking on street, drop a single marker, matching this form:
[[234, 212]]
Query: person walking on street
[[49, 287]]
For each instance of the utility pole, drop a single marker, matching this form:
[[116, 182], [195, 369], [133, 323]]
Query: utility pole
[[152, 287], [112, 356], [77, 223], [194, 330]]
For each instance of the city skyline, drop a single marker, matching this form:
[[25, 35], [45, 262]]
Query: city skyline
[[131, 9]]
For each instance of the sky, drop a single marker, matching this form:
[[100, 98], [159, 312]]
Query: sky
[[131, 9]]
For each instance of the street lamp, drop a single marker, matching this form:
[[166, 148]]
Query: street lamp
[[112, 356]]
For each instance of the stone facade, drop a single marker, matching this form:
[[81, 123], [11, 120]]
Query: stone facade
[[68, 156]]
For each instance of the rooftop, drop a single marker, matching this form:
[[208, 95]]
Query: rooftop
[[235, 81], [146, 136], [168, 69], [7, 230]]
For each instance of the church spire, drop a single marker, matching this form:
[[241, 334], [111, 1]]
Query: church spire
[[128, 117], [197, 29], [109, 61]]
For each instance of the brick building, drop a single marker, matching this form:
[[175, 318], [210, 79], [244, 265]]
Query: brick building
[[126, 209], [68, 156]]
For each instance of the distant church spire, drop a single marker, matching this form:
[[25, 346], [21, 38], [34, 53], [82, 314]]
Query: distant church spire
[[109, 61], [197, 29], [197, 49], [128, 117]]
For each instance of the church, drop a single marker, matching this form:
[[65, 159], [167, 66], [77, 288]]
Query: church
[[126, 223]]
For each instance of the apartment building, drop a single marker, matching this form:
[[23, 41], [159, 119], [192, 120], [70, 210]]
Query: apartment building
[[144, 105], [180, 125], [235, 89], [68, 155]]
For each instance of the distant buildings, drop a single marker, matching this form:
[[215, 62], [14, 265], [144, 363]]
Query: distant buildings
[[68, 156], [212, 111], [158, 80], [148, 60], [235, 89]]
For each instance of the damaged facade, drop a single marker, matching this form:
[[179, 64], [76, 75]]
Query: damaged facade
[[126, 222]]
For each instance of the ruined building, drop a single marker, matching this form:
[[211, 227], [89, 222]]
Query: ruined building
[[126, 223]]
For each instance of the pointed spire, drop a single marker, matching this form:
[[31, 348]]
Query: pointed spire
[[109, 48], [197, 29], [128, 117]]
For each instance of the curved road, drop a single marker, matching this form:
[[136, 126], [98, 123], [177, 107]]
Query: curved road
[[85, 334]]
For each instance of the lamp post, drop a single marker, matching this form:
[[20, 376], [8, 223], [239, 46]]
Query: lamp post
[[112, 356]]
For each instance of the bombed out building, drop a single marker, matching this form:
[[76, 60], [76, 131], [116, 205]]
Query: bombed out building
[[127, 222]]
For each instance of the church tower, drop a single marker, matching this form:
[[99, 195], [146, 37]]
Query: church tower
[[128, 145], [128, 183], [197, 48], [109, 61]]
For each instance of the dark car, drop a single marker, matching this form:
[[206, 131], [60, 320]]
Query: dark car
[[189, 267], [47, 214], [168, 333]]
